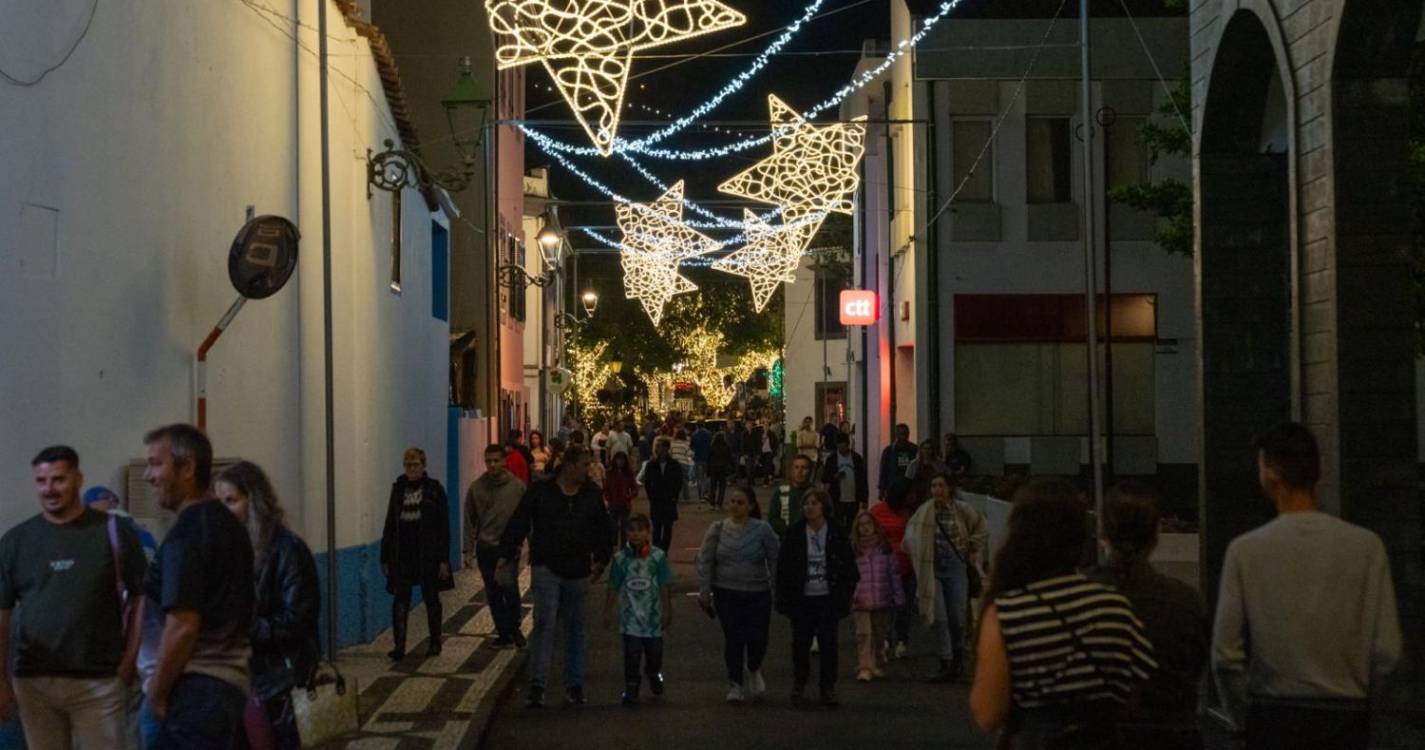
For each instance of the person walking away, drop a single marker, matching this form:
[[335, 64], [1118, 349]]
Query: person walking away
[[198, 609], [490, 503], [70, 578], [844, 475], [539, 454], [1174, 620], [816, 578], [784, 510], [1304, 674], [826, 438], [641, 589], [566, 426], [515, 440], [767, 463], [415, 543], [721, 466], [568, 531], [945, 539], [808, 440], [619, 441], [701, 443], [736, 564], [681, 450], [620, 489], [662, 479], [600, 445], [751, 457], [516, 462], [285, 645], [892, 514], [957, 459], [1058, 655], [879, 594], [895, 459]]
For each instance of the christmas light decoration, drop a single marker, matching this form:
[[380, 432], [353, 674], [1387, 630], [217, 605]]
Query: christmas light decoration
[[701, 345], [590, 373], [770, 257], [812, 169], [588, 46], [646, 146], [655, 242]]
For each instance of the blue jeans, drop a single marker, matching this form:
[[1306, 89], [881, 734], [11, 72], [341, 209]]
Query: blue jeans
[[700, 477], [203, 713], [557, 598], [952, 598]]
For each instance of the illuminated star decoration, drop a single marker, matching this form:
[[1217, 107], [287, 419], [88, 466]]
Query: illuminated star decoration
[[770, 257], [811, 172], [588, 45], [655, 242]]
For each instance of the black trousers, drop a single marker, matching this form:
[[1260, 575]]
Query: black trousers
[[649, 651], [1278, 726], [401, 608], [662, 532], [746, 617], [503, 601], [717, 487], [815, 617]]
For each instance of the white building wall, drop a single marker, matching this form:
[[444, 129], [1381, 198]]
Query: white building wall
[[168, 120], [805, 354]]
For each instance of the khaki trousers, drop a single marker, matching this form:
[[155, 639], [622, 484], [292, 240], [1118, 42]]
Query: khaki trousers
[[871, 631], [65, 712]]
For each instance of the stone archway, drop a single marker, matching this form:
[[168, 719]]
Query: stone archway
[[1245, 280]]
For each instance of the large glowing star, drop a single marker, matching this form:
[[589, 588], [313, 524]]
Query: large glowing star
[[769, 258], [588, 45], [655, 242], [812, 169]]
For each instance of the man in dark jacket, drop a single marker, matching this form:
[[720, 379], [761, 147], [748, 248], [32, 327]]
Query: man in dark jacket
[[568, 530], [895, 459], [844, 475], [816, 578], [662, 479]]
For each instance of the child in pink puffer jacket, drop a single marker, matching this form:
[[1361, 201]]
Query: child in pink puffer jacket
[[878, 594]]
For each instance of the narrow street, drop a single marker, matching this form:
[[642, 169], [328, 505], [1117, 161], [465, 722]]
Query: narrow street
[[900, 711]]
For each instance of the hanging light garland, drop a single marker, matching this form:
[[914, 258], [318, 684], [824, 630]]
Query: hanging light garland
[[655, 243], [587, 46], [770, 257]]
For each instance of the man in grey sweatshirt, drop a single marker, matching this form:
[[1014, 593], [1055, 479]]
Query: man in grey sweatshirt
[[1306, 623], [489, 504]]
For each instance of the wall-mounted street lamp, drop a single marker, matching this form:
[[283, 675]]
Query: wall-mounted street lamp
[[616, 364], [550, 244], [591, 302], [467, 109]]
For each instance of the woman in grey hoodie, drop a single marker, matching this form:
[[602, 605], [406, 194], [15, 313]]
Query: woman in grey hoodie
[[737, 564]]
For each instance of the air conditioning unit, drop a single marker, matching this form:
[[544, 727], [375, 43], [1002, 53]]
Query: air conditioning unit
[[142, 502]]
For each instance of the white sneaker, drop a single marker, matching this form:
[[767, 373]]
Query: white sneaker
[[756, 685], [736, 694], [815, 647], [900, 650]]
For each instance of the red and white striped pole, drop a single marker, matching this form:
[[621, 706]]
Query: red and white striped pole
[[202, 364]]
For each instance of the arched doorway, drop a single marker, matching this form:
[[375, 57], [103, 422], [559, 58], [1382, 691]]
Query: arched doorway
[[1245, 281]]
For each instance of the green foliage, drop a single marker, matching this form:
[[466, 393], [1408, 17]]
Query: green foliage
[[1169, 199]]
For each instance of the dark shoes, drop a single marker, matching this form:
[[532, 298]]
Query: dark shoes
[[396, 654], [574, 695], [502, 643], [798, 693], [828, 698], [433, 649], [630, 695], [949, 671], [520, 642], [655, 685], [535, 698]]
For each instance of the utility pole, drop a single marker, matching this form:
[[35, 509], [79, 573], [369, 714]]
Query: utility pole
[[1090, 282]]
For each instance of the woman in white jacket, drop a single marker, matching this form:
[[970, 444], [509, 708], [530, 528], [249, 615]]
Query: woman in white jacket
[[945, 539]]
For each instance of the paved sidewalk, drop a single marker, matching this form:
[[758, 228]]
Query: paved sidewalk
[[432, 703]]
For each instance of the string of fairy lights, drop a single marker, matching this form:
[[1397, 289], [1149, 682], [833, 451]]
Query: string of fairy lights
[[588, 48]]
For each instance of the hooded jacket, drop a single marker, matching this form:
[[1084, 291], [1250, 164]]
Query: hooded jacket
[[489, 504]]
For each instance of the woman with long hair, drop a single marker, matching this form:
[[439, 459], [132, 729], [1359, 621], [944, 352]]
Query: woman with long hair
[[879, 594], [1059, 655], [415, 544], [285, 649], [620, 488], [736, 562], [539, 451]]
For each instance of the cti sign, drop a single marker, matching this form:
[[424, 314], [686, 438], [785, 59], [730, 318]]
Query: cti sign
[[859, 307]]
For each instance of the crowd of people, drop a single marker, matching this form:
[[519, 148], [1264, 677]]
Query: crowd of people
[[115, 641]]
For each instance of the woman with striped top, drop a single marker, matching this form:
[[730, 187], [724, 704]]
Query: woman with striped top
[[1059, 655]]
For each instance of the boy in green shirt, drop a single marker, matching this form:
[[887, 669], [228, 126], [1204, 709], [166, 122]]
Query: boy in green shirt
[[640, 581]]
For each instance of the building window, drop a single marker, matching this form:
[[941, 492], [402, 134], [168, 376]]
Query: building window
[[831, 277], [1127, 156], [969, 138], [518, 295], [1048, 169], [439, 272], [1021, 367]]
